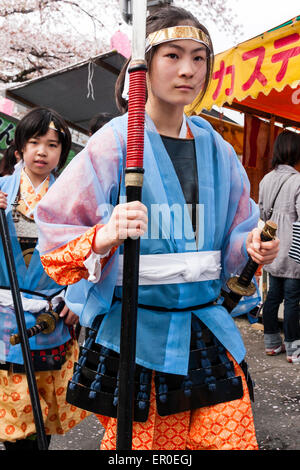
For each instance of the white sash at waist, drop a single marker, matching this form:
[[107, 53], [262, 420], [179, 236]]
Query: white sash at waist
[[29, 305], [176, 268]]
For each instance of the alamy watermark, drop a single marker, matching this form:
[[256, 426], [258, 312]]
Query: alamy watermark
[[167, 222]]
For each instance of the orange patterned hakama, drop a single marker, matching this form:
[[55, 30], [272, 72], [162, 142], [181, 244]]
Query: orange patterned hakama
[[225, 426], [16, 418]]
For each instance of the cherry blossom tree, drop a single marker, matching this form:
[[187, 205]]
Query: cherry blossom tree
[[39, 36]]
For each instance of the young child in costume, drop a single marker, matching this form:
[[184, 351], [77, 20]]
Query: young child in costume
[[43, 142], [191, 391]]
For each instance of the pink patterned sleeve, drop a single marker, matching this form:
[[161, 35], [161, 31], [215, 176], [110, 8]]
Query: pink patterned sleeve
[[81, 198]]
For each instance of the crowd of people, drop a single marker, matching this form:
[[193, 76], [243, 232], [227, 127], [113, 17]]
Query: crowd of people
[[68, 233]]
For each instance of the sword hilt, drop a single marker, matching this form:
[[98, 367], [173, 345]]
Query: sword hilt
[[45, 323], [240, 286]]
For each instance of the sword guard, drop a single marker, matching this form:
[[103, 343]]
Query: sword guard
[[51, 318], [234, 285]]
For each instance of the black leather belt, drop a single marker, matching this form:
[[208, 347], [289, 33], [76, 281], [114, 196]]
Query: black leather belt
[[164, 309]]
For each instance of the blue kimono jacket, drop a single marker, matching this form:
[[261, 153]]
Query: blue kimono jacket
[[32, 278], [90, 188]]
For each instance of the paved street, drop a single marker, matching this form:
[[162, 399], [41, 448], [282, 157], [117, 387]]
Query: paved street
[[277, 394], [276, 408]]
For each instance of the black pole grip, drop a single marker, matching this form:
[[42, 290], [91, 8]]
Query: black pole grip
[[128, 334]]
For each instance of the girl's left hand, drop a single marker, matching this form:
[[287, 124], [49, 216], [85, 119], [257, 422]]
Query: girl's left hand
[[70, 318], [261, 252]]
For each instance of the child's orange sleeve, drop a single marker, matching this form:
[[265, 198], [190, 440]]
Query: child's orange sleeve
[[65, 265]]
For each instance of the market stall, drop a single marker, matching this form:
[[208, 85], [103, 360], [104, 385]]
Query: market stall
[[78, 92], [231, 131], [261, 78]]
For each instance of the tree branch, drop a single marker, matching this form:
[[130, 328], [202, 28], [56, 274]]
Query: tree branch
[[21, 76], [14, 11], [46, 4]]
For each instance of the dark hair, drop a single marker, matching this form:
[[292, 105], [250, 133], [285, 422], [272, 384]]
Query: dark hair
[[8, 160], [36, 123], [165, 17], [286, 149], [98, 121]]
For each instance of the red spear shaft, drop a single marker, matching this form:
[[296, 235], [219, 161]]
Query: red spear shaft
[[133, 182]]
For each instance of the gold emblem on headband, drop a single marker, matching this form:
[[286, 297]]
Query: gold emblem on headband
[[176, 33], [52, 126]]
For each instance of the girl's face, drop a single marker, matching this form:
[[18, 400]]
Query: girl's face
[[177, 72], [41, 154]]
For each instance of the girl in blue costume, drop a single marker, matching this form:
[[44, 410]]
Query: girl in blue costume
[[43, 142], [197, 226]]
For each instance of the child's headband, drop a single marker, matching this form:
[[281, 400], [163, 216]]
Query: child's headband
[[52, 126], [176, 33]]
